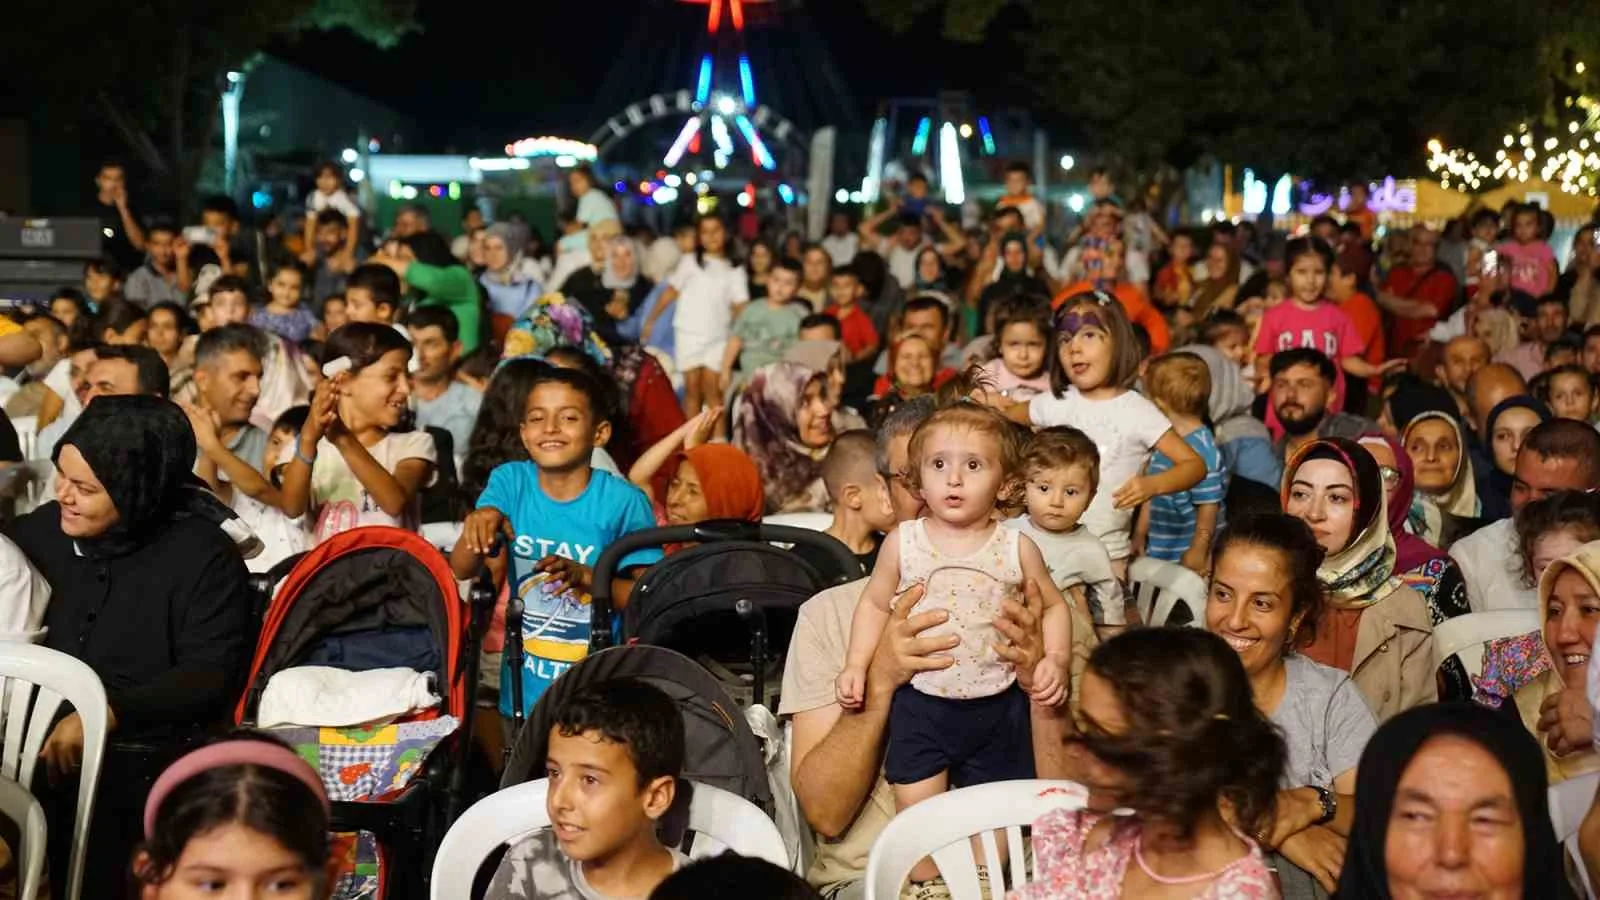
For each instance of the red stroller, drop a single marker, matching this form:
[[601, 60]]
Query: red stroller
[[400, 782]]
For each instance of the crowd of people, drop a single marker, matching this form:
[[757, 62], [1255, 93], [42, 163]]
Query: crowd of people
[[1351, 433]]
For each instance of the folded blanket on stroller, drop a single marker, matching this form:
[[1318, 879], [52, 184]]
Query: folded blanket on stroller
[[321, 695]]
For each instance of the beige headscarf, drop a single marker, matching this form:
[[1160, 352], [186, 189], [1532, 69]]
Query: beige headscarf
[[1461, 500], [1530, 698]]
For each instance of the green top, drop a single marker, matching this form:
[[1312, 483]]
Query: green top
[[452, 287], [766, 333]]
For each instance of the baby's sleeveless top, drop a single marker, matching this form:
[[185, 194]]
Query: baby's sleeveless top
[[971, 589]]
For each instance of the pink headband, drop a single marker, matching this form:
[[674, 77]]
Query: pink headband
[[231, 753]]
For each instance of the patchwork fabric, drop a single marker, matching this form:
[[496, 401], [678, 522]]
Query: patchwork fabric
[[370, 763]]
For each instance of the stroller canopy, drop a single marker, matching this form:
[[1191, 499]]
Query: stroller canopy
[[722, 751]]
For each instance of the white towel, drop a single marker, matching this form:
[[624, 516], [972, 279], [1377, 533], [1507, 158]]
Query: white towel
[[324, 696]]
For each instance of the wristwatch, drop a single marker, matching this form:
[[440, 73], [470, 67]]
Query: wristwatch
[[1330, 804]]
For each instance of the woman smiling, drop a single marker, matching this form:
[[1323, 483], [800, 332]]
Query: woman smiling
[[1265, 601], [1554, 707]]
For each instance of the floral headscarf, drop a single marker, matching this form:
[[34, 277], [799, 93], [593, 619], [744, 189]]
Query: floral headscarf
[[552, 321], [766, 426], [1361, 572]]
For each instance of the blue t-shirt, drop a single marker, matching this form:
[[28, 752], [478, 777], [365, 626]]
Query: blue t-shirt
[[555, 626], [1172, 516]]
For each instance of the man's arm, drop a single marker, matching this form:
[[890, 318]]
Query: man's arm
[[1405, 307], [1052, 726]]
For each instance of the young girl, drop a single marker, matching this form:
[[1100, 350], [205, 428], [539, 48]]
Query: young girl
[[1097, 358], [1021, 369], [971, 717], [121, 323], [349, 468], [234, 816], [761, 262], [330, 194], [1309, 319], [705, 292], [1526, 263], [283, 315]]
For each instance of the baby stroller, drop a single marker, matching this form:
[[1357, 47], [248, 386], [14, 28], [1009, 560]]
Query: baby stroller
[[729, 603], [374, 598]]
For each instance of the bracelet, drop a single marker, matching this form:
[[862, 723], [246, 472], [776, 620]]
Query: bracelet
[[310, 462], [1330, 804]]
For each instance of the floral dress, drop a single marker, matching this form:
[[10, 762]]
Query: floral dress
[[1066, 870]]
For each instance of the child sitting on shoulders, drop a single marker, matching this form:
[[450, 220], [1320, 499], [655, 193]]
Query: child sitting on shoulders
[[615, 751], [1178, 527], [968, 723]]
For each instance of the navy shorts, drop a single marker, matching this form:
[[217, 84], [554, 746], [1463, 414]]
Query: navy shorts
[[976, 741]]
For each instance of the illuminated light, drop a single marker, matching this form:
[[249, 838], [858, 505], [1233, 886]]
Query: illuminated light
[[396, 190], [673, 180], [373, 146], [690, 130], [841, 196], [727, 105], [436, 190], [1522, 128], [857, 197], [876, 145], [703, 188], [349, 155], [455, 190], [1508, 140], [950, 177], [691, 178], [646, 188], [620, 186], [1526, 140], [1528, 153], [1550, 143], [260, 199], [1281, 193], [722, 138], [1067, 162], [1075, 203], [737, 8], [966, 131], [495, 164], [1572, 128], [702, 86], [988, 136], [1499, 154], [409, 192], [747, 81], [758, 148], [235, 77], [743, 200], [1579, 67], [1435, 147], [706, 205], [553, 146], [357, 175], [919, 142], [664, 195], [786, 194], [714, 19], [694, 143], [566, 162]]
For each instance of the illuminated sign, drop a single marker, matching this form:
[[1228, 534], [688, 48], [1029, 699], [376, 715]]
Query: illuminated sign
[[552, 146], [1386, 196]]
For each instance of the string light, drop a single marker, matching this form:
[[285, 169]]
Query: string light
[[1561, 155]]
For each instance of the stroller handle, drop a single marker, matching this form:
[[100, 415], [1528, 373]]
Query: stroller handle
[[707, 532]]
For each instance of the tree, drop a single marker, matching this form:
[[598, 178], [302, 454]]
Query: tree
[[1325, 90], [156, 70]]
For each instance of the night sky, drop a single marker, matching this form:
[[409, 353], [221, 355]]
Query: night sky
[[475, 80]]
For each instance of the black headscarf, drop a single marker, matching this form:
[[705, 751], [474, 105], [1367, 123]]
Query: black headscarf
[[1413, 397], [1390, 751], [142, 450]]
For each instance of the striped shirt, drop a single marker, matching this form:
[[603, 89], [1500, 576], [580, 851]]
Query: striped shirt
[[1173, 516]]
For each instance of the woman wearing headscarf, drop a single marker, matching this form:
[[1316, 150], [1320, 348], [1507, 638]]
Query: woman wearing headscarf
[[511, 279], [1555, 706], [1014, 277], [691, 480], [148, 590], [1221, 285], [784, 421], [1436, 445], [1451, 799], [1376, 628], [1503, 430], [1243, 440]]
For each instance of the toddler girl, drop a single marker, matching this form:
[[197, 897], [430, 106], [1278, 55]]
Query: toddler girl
[[330, 194], [1097, 359], [705, 292], [1309, 319], [1526, 262], [283, 315], [968, 722], [350, 466], [1021, 368]]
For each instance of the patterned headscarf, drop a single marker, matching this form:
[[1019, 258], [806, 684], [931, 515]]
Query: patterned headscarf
[[1361, 572], [766, 426], [553, 322]]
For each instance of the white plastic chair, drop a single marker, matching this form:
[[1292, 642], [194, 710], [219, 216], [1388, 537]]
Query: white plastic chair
[[1159, 586], [23, 808], [27, 434], [816, 521], [943, 826], [441, 534], [33, 683], [1569, 803], [719, 820], [1466, 634]]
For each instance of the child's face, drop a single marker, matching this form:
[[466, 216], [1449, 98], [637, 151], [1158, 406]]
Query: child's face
[[1057, 497], [1022, 347], [1308, 278], [162, 332], [234, 860], [276, 441], [228, 308], [285, 288], [782, 285], [917, 188], [1086, 353], [97, 284], [1571, 397], [558, 429], [686, 500], [435, 353], [334, 314], [1486, 230], [595, 804], [327, 182], [877, 507], [961, 475], [360, 306], [843, 290], [1341, 284], [1526, 227], [1101, 186], [1182, 248], [65, 311], [377, 395], [684, 239], [713, 237], [1233, 343], [1016, 183], [818, 333]]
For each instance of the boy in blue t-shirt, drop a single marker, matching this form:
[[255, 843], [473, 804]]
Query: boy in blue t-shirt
[[1179, 527], [556, 515]]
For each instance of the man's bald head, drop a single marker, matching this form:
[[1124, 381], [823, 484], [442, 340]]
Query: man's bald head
[[1488, 386], [1462, 358]]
